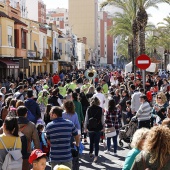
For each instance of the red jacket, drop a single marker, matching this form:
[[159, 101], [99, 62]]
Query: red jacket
[[56, 79]]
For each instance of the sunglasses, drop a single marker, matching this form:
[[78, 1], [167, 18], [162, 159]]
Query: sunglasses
[[159, 98]]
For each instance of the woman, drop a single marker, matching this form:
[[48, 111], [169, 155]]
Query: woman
[[70, 114], [78, 107], [9, 137], [156, 150], [94, 122], [85, 104], [5, 109], [19, 103], [122, 104], [43, 101], [137, 145], [164, 86], [161, 102], [113, 119], [90, 92]]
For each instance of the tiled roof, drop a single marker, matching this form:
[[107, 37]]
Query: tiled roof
[[2, 14], [17, 21]]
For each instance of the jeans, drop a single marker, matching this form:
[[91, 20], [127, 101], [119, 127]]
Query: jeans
[[94, 139], [68, 164], [114, 138], [145, 123]]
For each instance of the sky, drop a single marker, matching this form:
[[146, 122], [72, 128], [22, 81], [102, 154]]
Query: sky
[[157, 14]]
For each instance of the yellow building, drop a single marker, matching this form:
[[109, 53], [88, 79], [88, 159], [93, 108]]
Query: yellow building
[[83, 20], [7, 49]]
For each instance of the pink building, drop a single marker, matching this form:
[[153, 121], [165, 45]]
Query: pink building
[[105, 41], [41, 11]]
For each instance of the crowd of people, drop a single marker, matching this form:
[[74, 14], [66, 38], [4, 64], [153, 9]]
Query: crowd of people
[[49, 118]]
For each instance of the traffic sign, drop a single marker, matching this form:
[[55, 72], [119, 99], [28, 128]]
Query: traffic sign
[[143, 62]]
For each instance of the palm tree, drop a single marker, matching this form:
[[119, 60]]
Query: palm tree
[[142, 18], [125, 25], [138, 19]]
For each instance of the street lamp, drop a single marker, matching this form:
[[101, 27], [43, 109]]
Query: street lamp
[[165, 59]]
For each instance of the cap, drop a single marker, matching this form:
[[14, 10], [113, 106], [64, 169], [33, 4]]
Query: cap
[[35, 154], [61, 167]]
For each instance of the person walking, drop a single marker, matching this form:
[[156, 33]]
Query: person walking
[[59, 132], [112, 120], [94, 124]]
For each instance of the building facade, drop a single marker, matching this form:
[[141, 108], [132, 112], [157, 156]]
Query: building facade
[[83, 21], [41, 11], [32, 9]]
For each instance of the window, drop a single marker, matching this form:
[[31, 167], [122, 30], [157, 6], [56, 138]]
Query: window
[[0, 35], [10, 36], [23, 39]]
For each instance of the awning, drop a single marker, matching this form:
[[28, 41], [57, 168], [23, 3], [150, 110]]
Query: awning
[[10, 64]]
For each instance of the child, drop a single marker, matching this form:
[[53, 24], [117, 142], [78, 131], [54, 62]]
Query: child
[[43, 141], [61, 167], [38, 159], [129, 113]]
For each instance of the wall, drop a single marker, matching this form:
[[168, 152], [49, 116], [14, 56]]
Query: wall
[[5, 50], [32, 8], [83, 20]]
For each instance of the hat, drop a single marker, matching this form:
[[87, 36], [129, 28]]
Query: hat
[[35, 154], [61, 167]]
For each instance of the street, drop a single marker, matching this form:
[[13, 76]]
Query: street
[[105, 161]]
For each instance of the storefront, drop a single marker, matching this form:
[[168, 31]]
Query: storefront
[[8, 68]]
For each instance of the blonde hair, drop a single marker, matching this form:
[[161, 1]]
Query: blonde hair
[[91, 89], [138, 136], [163, 97], [158, 138]]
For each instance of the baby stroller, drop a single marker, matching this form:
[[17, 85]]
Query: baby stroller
[[127, 131]]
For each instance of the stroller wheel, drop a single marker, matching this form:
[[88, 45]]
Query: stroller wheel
[[121, 143]]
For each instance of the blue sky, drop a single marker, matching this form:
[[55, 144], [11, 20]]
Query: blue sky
[[157, 14]]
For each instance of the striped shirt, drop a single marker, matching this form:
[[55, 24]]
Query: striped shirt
[[144, 112], [59, 133]]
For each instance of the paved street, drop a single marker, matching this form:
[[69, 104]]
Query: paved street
[[105, 161]]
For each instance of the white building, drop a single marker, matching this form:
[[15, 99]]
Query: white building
[[81, 55], [32, 9]]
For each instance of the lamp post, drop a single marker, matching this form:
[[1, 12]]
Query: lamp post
[[165, 59]]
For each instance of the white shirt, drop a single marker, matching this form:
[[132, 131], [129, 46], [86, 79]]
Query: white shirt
[[102, 99]]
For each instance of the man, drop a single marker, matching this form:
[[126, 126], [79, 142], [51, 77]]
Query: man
[[135, 104], [86, 86], [56, 78], [105, 87], [11, 89], [143, 114], [62, 90], [100, 96], [73, 84], [3, 92], [29, 130], [59, 133], [32, 105], [19, 94]]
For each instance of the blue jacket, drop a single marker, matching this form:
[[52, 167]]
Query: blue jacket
[[33, 107]]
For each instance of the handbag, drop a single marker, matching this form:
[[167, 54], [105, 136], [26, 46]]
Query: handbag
[[110, 132]]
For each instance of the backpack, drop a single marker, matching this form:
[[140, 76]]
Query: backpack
[[93, 122], [13, 159], [31, 117]]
